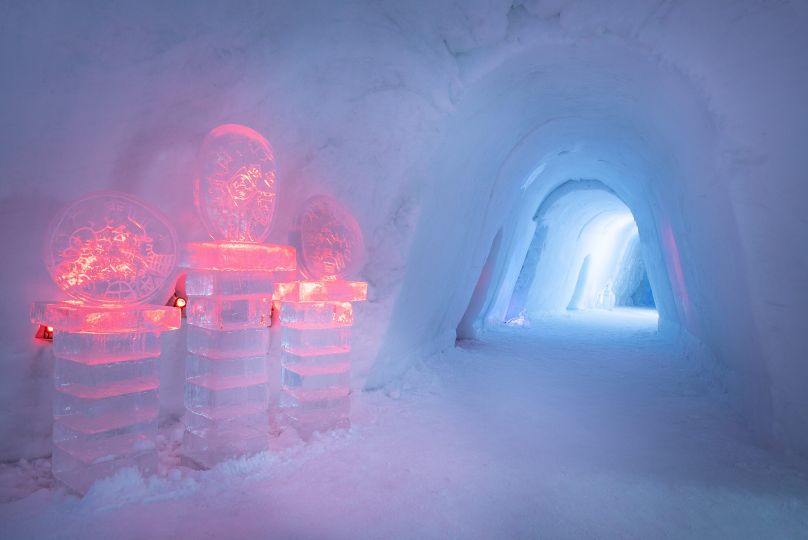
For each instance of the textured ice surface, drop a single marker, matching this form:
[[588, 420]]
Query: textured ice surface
[[105, 405], [338, 290], [111, 248], [239, 257], [235, 184], [316, 365], [226, 380]]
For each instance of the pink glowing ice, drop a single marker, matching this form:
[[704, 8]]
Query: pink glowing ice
[[235, 184], [110, 248], [331, 240]]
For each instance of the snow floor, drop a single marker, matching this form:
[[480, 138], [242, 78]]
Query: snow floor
[[588, 425]]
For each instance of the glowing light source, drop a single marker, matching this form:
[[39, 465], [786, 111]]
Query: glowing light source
[[180, 302]]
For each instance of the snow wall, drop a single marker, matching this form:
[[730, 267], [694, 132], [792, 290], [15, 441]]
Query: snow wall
[[442, 125]]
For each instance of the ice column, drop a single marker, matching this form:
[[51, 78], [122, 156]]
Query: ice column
[[229, 288], [229, 284], [106, 379], [316, 319], [317, 316], [110, 252]]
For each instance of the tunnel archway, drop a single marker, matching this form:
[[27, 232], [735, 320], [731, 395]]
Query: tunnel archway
[[585, 253]]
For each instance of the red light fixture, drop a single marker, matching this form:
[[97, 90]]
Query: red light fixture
[[44, 332], [180, 302]]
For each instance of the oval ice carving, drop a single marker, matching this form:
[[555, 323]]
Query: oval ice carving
[[235, 184], [111, 248], [331, 241]]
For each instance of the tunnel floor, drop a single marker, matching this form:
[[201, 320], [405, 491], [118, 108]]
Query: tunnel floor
[[590, 425]]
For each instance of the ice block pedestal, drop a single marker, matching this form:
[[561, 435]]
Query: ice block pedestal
[[107, 379], [316, 319], [229, 289], [112, 253]]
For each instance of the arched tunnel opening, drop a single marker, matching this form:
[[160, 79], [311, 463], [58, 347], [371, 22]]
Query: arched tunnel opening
[[585, 254]]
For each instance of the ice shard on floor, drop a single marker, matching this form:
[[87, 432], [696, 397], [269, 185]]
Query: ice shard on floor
[[110, 252], [229, 286], [316, 320]]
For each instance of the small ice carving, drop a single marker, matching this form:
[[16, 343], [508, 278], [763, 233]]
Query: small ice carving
[[606, 298]]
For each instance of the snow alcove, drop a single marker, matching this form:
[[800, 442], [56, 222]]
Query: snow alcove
[[566, 296]]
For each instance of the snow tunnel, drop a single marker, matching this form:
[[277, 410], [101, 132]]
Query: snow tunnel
[[584, 254]]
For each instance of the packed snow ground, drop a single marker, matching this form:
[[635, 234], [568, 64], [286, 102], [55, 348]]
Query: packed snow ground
[[590, 425]]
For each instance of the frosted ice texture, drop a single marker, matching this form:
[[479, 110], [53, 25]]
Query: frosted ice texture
[[105, 404], [331, 240], [226, 385], [111, 248], [316, 364], [110, 252], [235, 184]]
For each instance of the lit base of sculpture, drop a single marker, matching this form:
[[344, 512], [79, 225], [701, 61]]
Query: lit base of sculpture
[[228, 313], [106, 401], [316, 353]]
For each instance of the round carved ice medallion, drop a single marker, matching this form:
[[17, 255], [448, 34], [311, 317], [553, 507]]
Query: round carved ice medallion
[[235, 184], [331, 240], [111, 248]]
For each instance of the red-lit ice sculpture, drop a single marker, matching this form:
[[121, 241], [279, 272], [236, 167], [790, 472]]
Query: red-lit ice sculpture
[[316, 318], [111, 253], [229, 287]]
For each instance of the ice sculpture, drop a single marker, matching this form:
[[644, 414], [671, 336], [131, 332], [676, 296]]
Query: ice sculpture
[[606, 297], [229, 286], [316, 319], [111, 253]]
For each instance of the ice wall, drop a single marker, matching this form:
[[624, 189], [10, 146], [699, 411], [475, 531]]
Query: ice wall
[[440, 124]]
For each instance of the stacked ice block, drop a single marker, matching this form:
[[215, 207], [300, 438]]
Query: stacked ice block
[[106, 378], [316, 319], [229, 288]]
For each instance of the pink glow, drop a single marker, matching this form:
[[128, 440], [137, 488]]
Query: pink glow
[[235, 184], [111, 248], [331, 240], [232, 256], [316, 315], [322, 291], [675, 264], [75, 317]]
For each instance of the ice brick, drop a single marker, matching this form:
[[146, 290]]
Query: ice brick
[[78, 462], [209, 441], [316, 410], [229, 312], [316, 340], [305, 377], [103, 378], [235, 283], [95, 348], [228, 343], [315, 315], [224, 256], [72, 316], [322, 291]]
